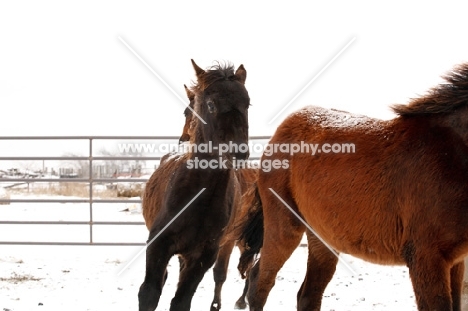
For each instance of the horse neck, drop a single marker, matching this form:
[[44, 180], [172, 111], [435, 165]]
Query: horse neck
[[204, 149], [457, 121]]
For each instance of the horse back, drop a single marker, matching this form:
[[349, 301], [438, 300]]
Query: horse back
[[397, 182]]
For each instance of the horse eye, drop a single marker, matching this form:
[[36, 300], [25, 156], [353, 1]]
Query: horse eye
[[211, 106]]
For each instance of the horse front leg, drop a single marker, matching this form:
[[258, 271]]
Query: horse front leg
[[157, 258], [191, 275], [220, 273]]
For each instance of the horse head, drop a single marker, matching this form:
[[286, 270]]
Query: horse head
[[222, 102]]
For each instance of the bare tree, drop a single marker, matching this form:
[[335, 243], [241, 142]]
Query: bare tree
[[80, 167], [131, 165]]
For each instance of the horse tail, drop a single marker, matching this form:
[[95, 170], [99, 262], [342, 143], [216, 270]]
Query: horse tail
[[250, 230]]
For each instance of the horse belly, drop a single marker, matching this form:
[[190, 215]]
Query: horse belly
[[370, 239], [349, 218]]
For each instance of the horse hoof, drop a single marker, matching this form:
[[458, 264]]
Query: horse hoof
[[240, 304], [215, 307]]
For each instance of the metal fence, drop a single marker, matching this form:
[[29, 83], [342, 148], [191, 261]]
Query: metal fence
[[91, 180]]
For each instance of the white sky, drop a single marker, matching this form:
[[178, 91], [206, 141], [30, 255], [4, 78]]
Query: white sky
[[64, 71]]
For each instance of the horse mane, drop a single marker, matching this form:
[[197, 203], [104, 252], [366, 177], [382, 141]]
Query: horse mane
[[443, 98], [218, 72]]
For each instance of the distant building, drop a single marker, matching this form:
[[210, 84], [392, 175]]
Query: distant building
[[68, 172]]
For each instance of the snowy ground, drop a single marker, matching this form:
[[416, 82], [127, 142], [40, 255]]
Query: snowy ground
[[94, 278]]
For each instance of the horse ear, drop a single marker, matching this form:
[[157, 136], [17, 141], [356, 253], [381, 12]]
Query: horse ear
[[241, 74], [190, 94], [198, 70]]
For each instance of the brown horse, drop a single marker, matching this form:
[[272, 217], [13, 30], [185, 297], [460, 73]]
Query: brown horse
[[390, 192], [188, 125], [246, 178], [185, 137], [192, 203]]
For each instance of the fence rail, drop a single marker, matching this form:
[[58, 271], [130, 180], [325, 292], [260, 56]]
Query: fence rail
[[91, 181]]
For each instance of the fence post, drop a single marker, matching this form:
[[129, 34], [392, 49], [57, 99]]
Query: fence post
[[90, 190]]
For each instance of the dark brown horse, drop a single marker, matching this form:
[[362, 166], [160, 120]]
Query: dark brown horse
[[390, 192], [191, 203], [246, 178]]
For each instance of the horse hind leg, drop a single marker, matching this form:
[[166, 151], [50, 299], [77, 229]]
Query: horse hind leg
[[430, 276], [456, 285], [220, 273], [241, 303], [278, 245], [191, 275], [321, 266]]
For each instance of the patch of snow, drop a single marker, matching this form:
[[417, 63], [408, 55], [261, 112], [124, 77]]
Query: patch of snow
[[184, 148], [333, 118]]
